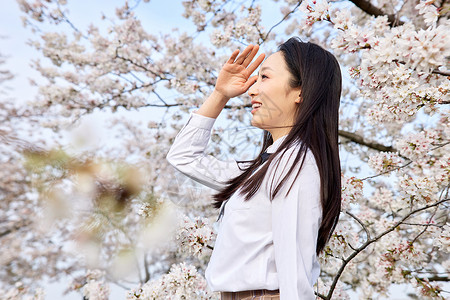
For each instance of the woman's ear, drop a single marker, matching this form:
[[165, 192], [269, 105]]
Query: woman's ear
[[299, 99]]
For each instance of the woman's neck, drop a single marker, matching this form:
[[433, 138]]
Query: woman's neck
[[277, 134]]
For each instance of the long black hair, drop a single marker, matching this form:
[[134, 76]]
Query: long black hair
[[317, 73]]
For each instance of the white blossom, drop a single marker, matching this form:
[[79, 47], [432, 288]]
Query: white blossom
[[384, 161], [428, 10], [182, 282], [195, 235]]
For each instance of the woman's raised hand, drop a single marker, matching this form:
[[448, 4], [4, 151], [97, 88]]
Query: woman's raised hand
[[234, 78]]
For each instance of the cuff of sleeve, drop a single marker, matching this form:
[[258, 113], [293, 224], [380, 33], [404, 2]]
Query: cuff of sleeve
[[200, 121]]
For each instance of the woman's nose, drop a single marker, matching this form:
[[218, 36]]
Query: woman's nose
[[253, 90]]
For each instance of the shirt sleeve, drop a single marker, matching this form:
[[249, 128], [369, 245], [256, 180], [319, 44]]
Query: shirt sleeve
[[295, 223], [188, 156]]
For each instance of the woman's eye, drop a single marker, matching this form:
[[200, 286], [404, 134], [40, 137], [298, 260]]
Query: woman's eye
[[264, 76]]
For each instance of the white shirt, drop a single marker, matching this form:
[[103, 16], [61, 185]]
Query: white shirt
[[261, 244]]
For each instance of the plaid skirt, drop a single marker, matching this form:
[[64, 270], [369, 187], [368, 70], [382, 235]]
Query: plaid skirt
[[251, 295]]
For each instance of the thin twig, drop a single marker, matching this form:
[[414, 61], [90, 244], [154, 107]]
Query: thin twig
[[146, 269], [360, 223], [282, 20], [388, 171]]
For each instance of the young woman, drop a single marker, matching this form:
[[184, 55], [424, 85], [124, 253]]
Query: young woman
[[278, 210]]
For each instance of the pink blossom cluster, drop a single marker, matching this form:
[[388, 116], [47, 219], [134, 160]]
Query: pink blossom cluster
[[195, 235], [314, 10], [92, 285], [442, 170], [429, 12], [396, 64], [182, 282], [397, 262], [229, 26], [340, 245], [422, 189], [384, 161], [404, 251], [96, 290], [22, 292], [247, 28], [352, 191], [384, 199], [340, 289], [443, 241], [426, 288], [416, 145], [194, 10]]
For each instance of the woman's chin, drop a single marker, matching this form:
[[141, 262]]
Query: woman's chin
[[254, 123], [257, 123]]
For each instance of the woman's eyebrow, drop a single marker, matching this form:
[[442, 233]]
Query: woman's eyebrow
[[265, 68]]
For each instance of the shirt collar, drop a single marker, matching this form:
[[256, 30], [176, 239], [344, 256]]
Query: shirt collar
[[274, 147]]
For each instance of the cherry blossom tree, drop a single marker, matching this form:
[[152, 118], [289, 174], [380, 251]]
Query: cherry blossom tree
[[116, 200]]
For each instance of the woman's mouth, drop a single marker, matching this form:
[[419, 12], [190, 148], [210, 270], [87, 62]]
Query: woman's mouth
[[255, 106]]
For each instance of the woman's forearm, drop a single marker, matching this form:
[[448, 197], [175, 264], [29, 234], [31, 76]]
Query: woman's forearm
[[213, 105]]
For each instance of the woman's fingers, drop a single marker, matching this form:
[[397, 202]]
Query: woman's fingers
[[250, 82], [256, 63], [244, 54], [250, 57], [233, 56], [246, 57]]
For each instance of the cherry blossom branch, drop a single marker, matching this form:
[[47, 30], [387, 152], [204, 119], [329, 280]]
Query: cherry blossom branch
[[66, 19], [360, 140], [360, 223], [444, 73], [146, 268], [216, 12], [424, 228], [370, 9], [282, 20], [405, 165], [446, 189], [435, 71], [434, 290], [20, 144], [371, 241], [17, 226], [160, 98], [139, 65], [388, 171], [434, 278], [425, 225], [320, 295], [114, 281], [440, 145], [120, 228], [441, 6]]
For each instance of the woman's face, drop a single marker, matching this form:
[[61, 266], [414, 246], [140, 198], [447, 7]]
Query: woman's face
[[274, 101]]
